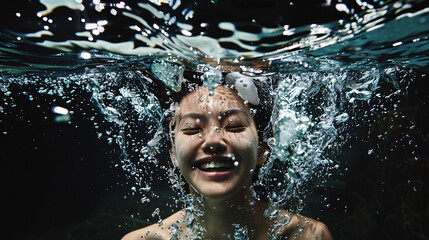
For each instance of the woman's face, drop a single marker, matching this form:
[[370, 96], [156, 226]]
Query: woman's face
[[215, 143]]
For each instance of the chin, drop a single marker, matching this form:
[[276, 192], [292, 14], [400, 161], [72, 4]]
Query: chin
[[222, 193]]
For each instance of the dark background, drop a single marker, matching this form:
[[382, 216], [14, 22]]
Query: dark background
[[60, 181], [63, 180]]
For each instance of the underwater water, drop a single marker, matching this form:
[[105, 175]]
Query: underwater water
[[83, 130]]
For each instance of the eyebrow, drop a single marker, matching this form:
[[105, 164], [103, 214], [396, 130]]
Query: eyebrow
[[190, 115], [224, 115], [233, 112]]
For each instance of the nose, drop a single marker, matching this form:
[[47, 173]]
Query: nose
[[214, 143]]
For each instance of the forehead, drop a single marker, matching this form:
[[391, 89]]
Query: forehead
[[220, 100]]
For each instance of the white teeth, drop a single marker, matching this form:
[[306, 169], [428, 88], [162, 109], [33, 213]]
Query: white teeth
[[210, 165]]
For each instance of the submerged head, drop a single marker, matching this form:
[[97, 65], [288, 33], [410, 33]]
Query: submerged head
[[216, 143]]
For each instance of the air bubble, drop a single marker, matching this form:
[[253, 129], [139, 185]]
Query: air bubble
[[85, 55], [155, 212]]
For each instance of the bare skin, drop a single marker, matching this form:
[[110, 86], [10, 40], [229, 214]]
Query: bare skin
[[220, 129], [299, 227]]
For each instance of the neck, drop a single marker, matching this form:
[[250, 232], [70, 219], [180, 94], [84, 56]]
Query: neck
[[221, 217]]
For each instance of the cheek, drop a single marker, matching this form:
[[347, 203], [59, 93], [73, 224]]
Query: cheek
[[252, 148], [247, 144], [185, 147], [181, 156], [250, 139]]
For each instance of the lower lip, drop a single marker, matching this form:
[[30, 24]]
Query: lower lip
[[217, 176]]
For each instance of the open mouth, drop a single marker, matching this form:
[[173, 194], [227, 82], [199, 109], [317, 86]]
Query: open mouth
[[216, 165]]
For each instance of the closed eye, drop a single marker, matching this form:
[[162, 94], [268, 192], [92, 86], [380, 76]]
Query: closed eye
[[191, 131], [235, 128]]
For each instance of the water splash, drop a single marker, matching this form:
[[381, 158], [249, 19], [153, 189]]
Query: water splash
[[302, 130], [169, 73], [308, 114], [211, 78]]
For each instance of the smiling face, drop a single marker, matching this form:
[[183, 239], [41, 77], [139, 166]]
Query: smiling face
[[215, 143]]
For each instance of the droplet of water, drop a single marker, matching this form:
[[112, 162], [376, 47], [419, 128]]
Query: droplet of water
[[60, 110], [342, 118], [155, 212], [85, 55]]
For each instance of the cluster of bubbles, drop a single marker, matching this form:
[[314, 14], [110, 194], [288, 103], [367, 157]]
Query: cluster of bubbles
[[307, 116], [302, 130]]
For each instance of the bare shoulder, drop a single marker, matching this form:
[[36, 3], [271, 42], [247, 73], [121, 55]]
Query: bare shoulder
[[301, 227], [156, 231]]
